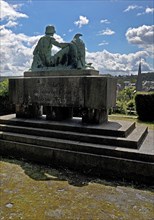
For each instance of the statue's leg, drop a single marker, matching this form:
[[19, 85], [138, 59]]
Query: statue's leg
[[67, 56], [47, 59], [61, 57], [37, 63]]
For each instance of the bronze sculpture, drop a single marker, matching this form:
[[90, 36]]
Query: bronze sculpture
[[71, 55]]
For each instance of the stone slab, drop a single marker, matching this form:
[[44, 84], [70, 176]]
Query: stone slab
[[144, 153], [129, 142], [94, 92], [61, 72], [94, 164], [68, 125], [133, 140], [101, 159], [111, 128]]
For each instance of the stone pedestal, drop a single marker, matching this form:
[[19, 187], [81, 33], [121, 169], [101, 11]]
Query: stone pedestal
[[58, 113], [94, 116], [28, 111], [59, 92]]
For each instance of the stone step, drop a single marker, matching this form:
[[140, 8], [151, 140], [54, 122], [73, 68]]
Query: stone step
[[95, 164], [82, 147], [134, 140], [77, 146], [112, 128]]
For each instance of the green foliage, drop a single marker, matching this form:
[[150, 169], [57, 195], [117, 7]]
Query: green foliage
[[5, 106], [126, 94], [121, 107], [126, 100], [4, 88], [145, 106], [131, 103]]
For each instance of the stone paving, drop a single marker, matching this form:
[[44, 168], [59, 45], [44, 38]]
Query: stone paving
[[34, 192]]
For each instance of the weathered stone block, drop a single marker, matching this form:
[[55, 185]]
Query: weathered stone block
[[61, 72], [95, 94]]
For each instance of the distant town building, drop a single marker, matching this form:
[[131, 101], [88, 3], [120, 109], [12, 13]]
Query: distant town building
[[148, 86], [126, 84]]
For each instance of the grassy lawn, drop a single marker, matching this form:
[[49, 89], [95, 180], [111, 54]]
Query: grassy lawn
[[36, 192], [134, 118]]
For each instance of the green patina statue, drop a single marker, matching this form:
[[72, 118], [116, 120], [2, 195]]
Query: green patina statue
[[71, 55]]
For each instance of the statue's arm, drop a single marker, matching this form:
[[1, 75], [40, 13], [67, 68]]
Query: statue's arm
[[37, 47], [35, 50], [65, 45], [57, 44]]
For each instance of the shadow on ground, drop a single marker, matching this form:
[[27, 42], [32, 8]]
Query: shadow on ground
[[40, 172]]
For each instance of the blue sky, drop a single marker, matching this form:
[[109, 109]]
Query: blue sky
[[116, 33]]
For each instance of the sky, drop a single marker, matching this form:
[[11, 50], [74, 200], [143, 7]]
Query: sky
[[117, 34]]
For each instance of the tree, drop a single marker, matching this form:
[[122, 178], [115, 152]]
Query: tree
[[126, 100], [4, 88]]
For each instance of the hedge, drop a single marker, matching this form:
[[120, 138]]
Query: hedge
[[145, 106], [5, 106]]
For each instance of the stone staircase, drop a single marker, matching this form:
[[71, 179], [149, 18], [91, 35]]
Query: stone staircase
[[113, 149]]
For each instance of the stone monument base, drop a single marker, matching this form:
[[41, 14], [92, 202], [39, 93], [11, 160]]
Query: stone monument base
[[58, 113], [59, 92], [117, 149]]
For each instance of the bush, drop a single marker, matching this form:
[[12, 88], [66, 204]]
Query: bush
[[125, 101], [121, 107], [131, 104], [4, 88], [145, 106], [5, 107]]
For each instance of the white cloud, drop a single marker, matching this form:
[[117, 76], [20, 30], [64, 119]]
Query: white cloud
[[103, 43], [70, 30], [105, 21], [82, 21], [147, 11], [9, 12], [117, 63], [17, 6], [107, 31], [17, 51], [10, 24], [142, 36], [132, 7]]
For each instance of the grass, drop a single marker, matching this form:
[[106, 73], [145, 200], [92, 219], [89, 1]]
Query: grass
[[36, 192], [134, 118]]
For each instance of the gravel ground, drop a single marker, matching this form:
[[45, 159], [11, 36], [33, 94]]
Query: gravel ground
[[36, 192]]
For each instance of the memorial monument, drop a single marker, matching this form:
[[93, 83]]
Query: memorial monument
[[58, 83]]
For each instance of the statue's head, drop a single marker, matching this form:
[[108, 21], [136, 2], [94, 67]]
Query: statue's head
[[50, 30], [78, 35]]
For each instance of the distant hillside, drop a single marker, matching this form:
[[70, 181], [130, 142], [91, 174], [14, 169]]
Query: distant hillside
[[133, 78], [148, 76]]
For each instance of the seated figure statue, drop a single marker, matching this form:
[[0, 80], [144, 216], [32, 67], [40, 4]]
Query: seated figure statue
[[42, 52], [71, 55]]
